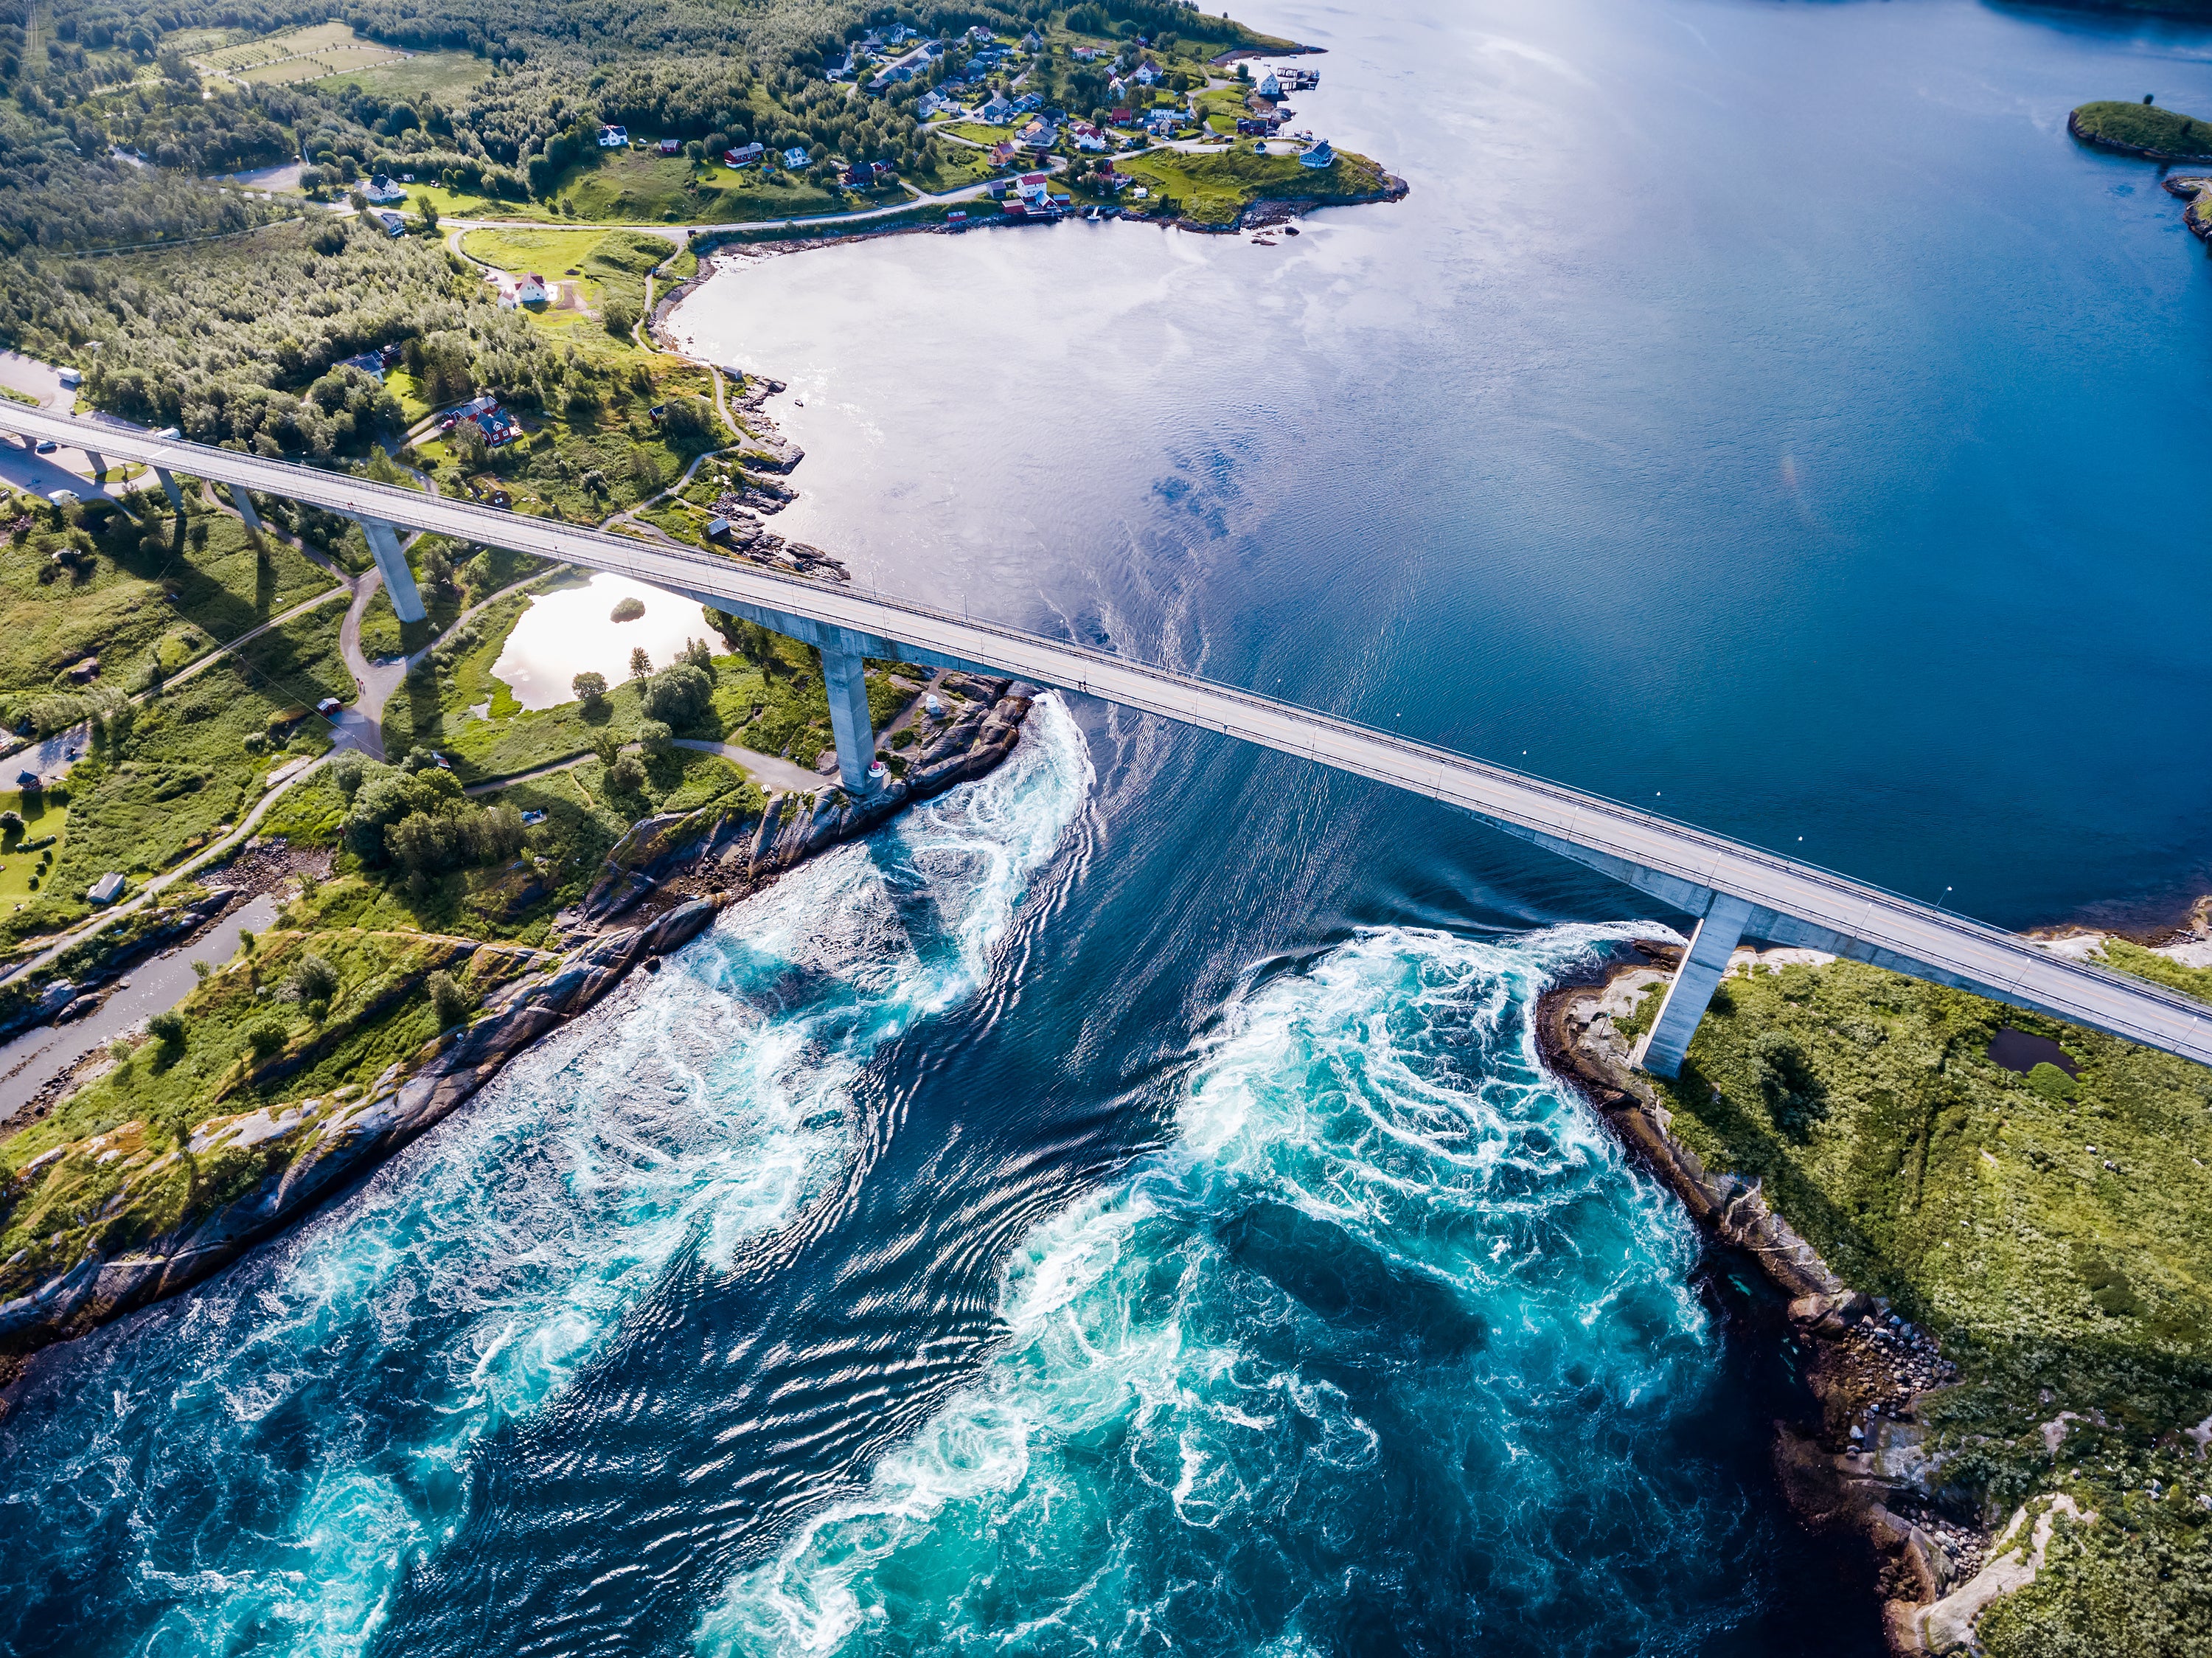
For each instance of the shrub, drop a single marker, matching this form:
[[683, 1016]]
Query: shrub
[[449, 1000], [627, 774], [168, 1028], [676, 695], [629, 609], [591, 689], [314, 981], [265, 1038], [655, 737]]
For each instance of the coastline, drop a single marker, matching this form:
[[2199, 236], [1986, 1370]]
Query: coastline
[[1861, 1500], [1875, 1466], [669, 877]]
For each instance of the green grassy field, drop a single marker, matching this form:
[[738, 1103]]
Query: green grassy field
[[195, 759], [1214, 187], [633, 187], [2048, 1228], [2146, 126], [612, 264], [116, 602], [443, 77], [43, 815]]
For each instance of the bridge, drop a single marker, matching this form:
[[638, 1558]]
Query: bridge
[[1734, 890]]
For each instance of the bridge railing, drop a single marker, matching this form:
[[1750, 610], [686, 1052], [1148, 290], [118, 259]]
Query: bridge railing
[[1837, 901]]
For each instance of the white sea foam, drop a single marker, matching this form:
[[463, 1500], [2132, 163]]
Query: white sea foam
[[1378, 1219], [709, 1103]]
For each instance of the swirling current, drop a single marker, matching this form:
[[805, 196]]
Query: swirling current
[[1379, 1345]]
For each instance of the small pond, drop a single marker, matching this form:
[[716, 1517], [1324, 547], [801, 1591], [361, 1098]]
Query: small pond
[[2018, 1051], [572, 631]]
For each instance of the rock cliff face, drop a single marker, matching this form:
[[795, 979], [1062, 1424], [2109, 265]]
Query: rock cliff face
[[1861, 1475], [339, 1143], [715, 849], [675, 872]]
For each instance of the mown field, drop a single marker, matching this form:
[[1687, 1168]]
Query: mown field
[[301, 54]]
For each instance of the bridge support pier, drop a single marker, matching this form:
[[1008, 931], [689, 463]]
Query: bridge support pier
[[844, 676], [99, 465], [242, 498], [169, 485], [399, 580], [1706, 958]]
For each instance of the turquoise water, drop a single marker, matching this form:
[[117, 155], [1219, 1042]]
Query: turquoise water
[[1315, 1353], [1117, 1209]]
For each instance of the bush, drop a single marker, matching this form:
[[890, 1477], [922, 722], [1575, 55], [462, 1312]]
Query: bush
[[265, 1040], [449, 1000], [627, 774], [688, 419], [591, 689], [629, 609], [655, 737], [676, 695], [168, 1028], [314, 982]]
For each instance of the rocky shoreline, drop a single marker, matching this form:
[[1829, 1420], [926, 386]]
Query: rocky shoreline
[[2074, 127], [667, 878], [1860, 1475]]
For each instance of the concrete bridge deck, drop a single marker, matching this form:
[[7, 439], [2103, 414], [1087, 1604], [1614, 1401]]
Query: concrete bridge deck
[[1735, 890]]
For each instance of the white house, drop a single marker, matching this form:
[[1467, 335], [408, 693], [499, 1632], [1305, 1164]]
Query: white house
[[1271, 88], [1147, 75], [794, 158], [998, 111], [613, 138], [382, 189], [531, 290], [1320, 156], [393, 224], [106, 889]]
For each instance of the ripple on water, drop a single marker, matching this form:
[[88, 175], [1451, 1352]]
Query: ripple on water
[[1384, 1349], [276, 1446]]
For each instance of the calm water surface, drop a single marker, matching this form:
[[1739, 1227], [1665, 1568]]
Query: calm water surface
[[1119, 1208]]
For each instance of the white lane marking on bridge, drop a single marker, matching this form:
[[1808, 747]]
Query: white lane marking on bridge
[[1900, 927]]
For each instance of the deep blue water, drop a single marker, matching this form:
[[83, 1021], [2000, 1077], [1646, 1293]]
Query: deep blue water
[[1119, 1208]]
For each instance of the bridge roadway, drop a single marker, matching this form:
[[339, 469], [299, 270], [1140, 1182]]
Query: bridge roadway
[[1735, 890]]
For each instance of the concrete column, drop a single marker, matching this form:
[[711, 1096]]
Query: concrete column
[[99, 465], [844, 677], [169, 483], [399, 580], [242, 498], [1660, 1052]]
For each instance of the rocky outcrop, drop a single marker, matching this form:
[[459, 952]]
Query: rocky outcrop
[[1864, 1474], [718, 848], [2074, 126], [1948, 1624], [342, 1141]]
